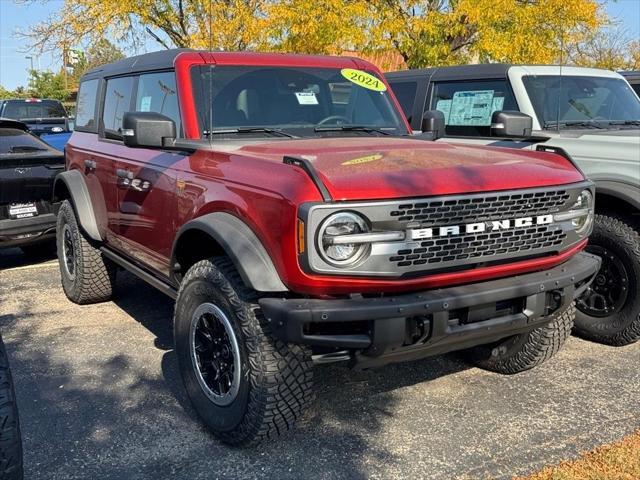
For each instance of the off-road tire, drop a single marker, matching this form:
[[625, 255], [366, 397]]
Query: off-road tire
[[526, 350], [94, 275], [623, 326], [276, 378], [10, 440]]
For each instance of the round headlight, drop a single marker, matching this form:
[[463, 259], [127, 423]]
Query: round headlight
[[583, 202], [337, 225]]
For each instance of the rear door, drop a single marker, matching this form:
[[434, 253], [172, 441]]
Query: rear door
[[146, 179]]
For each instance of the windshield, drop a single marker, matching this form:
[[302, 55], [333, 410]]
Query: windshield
[[293, 101], [24, 109], [577, 101]]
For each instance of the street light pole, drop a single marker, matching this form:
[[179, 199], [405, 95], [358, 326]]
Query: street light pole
[[30, 57]]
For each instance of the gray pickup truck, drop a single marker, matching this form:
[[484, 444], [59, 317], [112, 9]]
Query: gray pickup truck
[[591, 115]]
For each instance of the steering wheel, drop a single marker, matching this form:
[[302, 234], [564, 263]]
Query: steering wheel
[[334, 118]]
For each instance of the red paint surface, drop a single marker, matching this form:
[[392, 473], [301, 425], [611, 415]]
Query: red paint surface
[[253, 184]]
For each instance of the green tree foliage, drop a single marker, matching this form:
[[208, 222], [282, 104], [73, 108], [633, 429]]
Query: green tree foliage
[[47, 84]]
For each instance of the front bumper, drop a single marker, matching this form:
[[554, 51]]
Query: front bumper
[[404, 327], [22, 231]]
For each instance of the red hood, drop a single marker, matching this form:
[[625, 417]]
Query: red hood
[[368, 168]]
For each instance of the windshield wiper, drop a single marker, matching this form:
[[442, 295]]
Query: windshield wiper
[[577, 123], [272, 131], [350, 128], [26, 148], [624, 122]]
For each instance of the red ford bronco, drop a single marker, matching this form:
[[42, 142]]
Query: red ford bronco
[[280, 200]]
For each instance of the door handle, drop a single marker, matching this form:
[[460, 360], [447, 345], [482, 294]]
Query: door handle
[[122, 173], [90, 164]]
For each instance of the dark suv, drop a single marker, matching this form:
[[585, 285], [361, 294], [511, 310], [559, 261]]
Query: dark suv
[[281, 201]]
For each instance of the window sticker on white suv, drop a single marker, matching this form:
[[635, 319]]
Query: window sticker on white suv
[[307, 98], [470, 108]]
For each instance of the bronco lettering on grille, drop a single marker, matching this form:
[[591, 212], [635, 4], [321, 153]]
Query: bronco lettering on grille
[[422, 233]]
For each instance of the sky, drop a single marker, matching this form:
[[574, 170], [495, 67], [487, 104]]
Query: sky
[[13, 17]]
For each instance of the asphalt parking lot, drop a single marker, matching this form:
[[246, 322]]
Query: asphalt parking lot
[[100, 397]]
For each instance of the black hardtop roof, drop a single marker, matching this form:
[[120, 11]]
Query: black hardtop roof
[[633, 74], [160, 60], [458, 72]]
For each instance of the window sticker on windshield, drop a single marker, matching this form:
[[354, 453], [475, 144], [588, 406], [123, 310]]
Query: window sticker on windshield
[[445, 107], [145, 104], [306, 98], [471, 108], [498, 103], [364, 79]]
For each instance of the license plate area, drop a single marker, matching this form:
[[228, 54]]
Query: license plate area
[[22, 210]]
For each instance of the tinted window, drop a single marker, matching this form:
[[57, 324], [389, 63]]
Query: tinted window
[[406, 94], [298, 100], [468, 106], [636, 88], [13, 140], [26, 109], [86, 105], [157, 93], [117, 101], [581, 99]]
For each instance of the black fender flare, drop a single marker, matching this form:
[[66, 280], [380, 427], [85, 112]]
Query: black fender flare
[[618, 189], [242, 245], [81, 200]]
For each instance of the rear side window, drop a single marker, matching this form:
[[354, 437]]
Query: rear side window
[[468, 106], [405, 92], [117, 102], [157, 93], [33, 108], [86, 105]]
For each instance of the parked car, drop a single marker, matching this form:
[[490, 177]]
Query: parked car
[[594, 116], [292, 217], [634, 80], [28, 167], [40, 115], [56, 140], [11, 444]]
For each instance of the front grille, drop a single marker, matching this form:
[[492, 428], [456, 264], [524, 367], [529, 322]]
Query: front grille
[[480, 245], [479, 209]]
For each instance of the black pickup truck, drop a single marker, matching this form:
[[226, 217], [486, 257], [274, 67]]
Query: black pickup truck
[[40, 115], [28, 167]]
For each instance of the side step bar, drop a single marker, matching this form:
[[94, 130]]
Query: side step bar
[[140, 273]]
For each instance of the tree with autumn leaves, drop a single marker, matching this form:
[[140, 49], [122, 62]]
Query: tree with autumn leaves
[[422, 32]]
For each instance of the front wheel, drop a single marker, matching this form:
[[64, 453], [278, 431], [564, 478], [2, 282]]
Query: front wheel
[[245, 384], [526, 350], [609, 311]]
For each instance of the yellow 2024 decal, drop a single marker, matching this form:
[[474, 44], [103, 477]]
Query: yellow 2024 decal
[[368, 158], [363, 79]]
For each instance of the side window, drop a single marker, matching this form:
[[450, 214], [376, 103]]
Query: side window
[[157, 93], [117, 101], [405, 92], [86, 105], [468, 105]]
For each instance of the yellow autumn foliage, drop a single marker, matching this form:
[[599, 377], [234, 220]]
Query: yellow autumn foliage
[[424, 32]]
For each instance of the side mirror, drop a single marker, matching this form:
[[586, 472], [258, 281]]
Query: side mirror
[[148, 130], [433, 123], [511, 124]]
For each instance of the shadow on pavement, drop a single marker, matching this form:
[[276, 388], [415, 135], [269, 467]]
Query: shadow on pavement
[[15, 257], [85, 416]]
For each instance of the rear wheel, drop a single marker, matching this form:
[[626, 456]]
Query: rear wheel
[[245, 384], [526, 350], [609, 311], [87, 277]]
